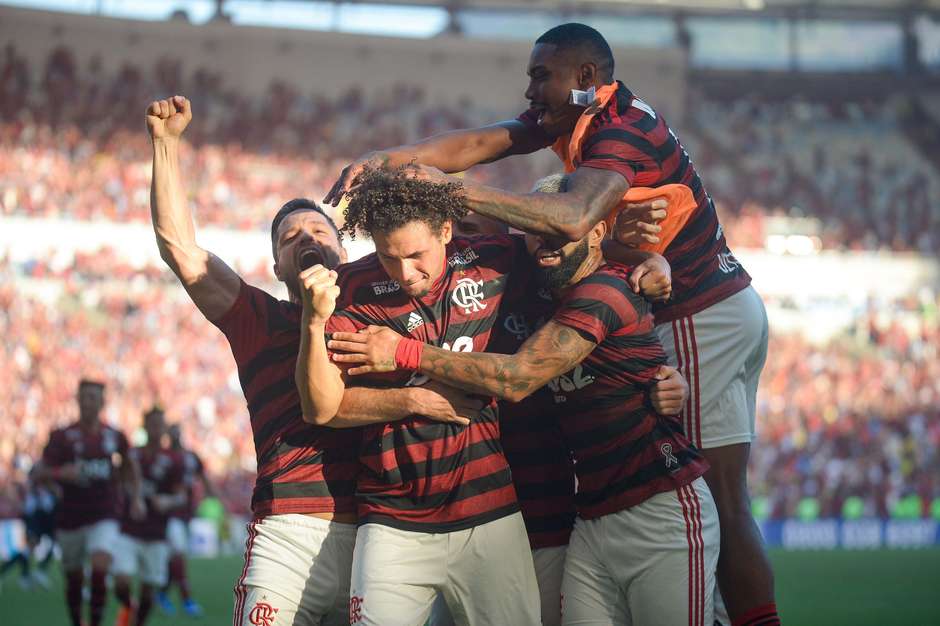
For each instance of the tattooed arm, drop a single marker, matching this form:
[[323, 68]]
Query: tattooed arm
[[552, 351]]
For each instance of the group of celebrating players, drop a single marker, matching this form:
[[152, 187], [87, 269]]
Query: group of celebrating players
[[521, 409]]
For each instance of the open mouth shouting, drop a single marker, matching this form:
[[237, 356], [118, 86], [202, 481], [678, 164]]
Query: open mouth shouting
[[309, 257]]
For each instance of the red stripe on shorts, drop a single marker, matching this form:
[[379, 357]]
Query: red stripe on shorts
[[688, 538], [240, 590]]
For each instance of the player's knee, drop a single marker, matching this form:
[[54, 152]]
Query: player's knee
[[100, 562]]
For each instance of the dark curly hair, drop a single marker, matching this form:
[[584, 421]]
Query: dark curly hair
[[388, 199]]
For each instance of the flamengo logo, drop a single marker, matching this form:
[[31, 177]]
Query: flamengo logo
[[355, 609], [517, 326], [262, 614], [468, 295]]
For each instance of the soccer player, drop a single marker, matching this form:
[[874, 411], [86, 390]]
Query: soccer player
[[177, 530], [145, 551], [299, 549], [714, 328], [646, 542], [81, 458]]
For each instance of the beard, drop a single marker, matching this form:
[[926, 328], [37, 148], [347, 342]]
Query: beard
[[553, 278]]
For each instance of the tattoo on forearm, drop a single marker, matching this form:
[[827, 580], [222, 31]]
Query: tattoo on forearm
[[506, 376]]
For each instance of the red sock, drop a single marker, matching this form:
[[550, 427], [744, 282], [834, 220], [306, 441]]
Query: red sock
[[765, 615], [178, 575], [99, 593], [73, 595]]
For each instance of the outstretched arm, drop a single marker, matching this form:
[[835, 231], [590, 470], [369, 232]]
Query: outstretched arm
[[551, 351], [212, 285], [450, 152]]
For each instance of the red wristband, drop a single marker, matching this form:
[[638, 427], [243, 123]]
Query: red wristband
[[408, 354]]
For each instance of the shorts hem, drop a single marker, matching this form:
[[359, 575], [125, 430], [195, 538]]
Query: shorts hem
[[720, 442]]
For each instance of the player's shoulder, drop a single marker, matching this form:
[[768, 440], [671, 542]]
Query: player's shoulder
[[493, 251], [626, 111], [610, 282], [364, 280]]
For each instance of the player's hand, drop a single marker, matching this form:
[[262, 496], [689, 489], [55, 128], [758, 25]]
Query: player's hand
[[443, 403], [638, 222], [670, 393], [318, 292], [428, 173], [350, 174], [652, 278], [138, 509], [169, 118], [370, 350]]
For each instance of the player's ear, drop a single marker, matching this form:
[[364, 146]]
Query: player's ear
[[343, 255], [277, 271], [447, 232], [587, 75]]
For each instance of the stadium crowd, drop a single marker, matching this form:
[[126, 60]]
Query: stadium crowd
[[85, 156], [856, 416]]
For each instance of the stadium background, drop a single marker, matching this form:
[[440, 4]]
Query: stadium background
[[816, 127]]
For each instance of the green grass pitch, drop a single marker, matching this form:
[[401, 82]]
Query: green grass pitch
[[878, 587]]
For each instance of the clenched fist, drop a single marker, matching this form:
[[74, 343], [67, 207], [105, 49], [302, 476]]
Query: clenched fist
[[167, 119], [319, 292]]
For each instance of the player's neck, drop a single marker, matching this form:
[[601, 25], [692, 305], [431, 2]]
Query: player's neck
[[90, 424], [593, 261]]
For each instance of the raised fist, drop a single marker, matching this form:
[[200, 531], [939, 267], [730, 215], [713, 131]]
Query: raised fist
[[168, 118]]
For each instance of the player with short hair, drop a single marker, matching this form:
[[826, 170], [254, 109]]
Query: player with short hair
[[299, 549], [88, 459], [144, 550], [617, 148], [646, 543], [177, 530]]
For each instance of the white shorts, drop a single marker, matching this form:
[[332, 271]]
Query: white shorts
[[177, 535], [485, 574], [147, 559], [549, 570], [296, 572], [79, 543], [720, 352], [653, 563]]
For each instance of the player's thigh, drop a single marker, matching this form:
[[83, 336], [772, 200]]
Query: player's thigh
[[154, 562], [327, 588], [177, 535], [283, 556], [589, 594], [126, 559], [395, 576], [490, 575], [102, 536], [73, 545], [549, 572], [676, 540]]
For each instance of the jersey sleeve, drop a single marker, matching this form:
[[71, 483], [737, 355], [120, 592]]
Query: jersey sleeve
[[597, 307], [245, 324], [620, 146]]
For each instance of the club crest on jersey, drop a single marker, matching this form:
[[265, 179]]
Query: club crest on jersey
[[262, 614], [468, 295], [544, 293], [463, 257], [414, 321], [672, 463], [384, 287], [517, 326]]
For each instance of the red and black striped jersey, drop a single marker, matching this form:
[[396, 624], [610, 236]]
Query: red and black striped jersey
[[541, 464], [161, 472], [417, 474], [301, 468], [94, 496], [629, 137], [624, 451], [192, 470]]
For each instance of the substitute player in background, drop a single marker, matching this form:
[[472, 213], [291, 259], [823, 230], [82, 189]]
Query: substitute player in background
[[144, 550], [177, 530], [89, 460], [714, 328], [299, 550]]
